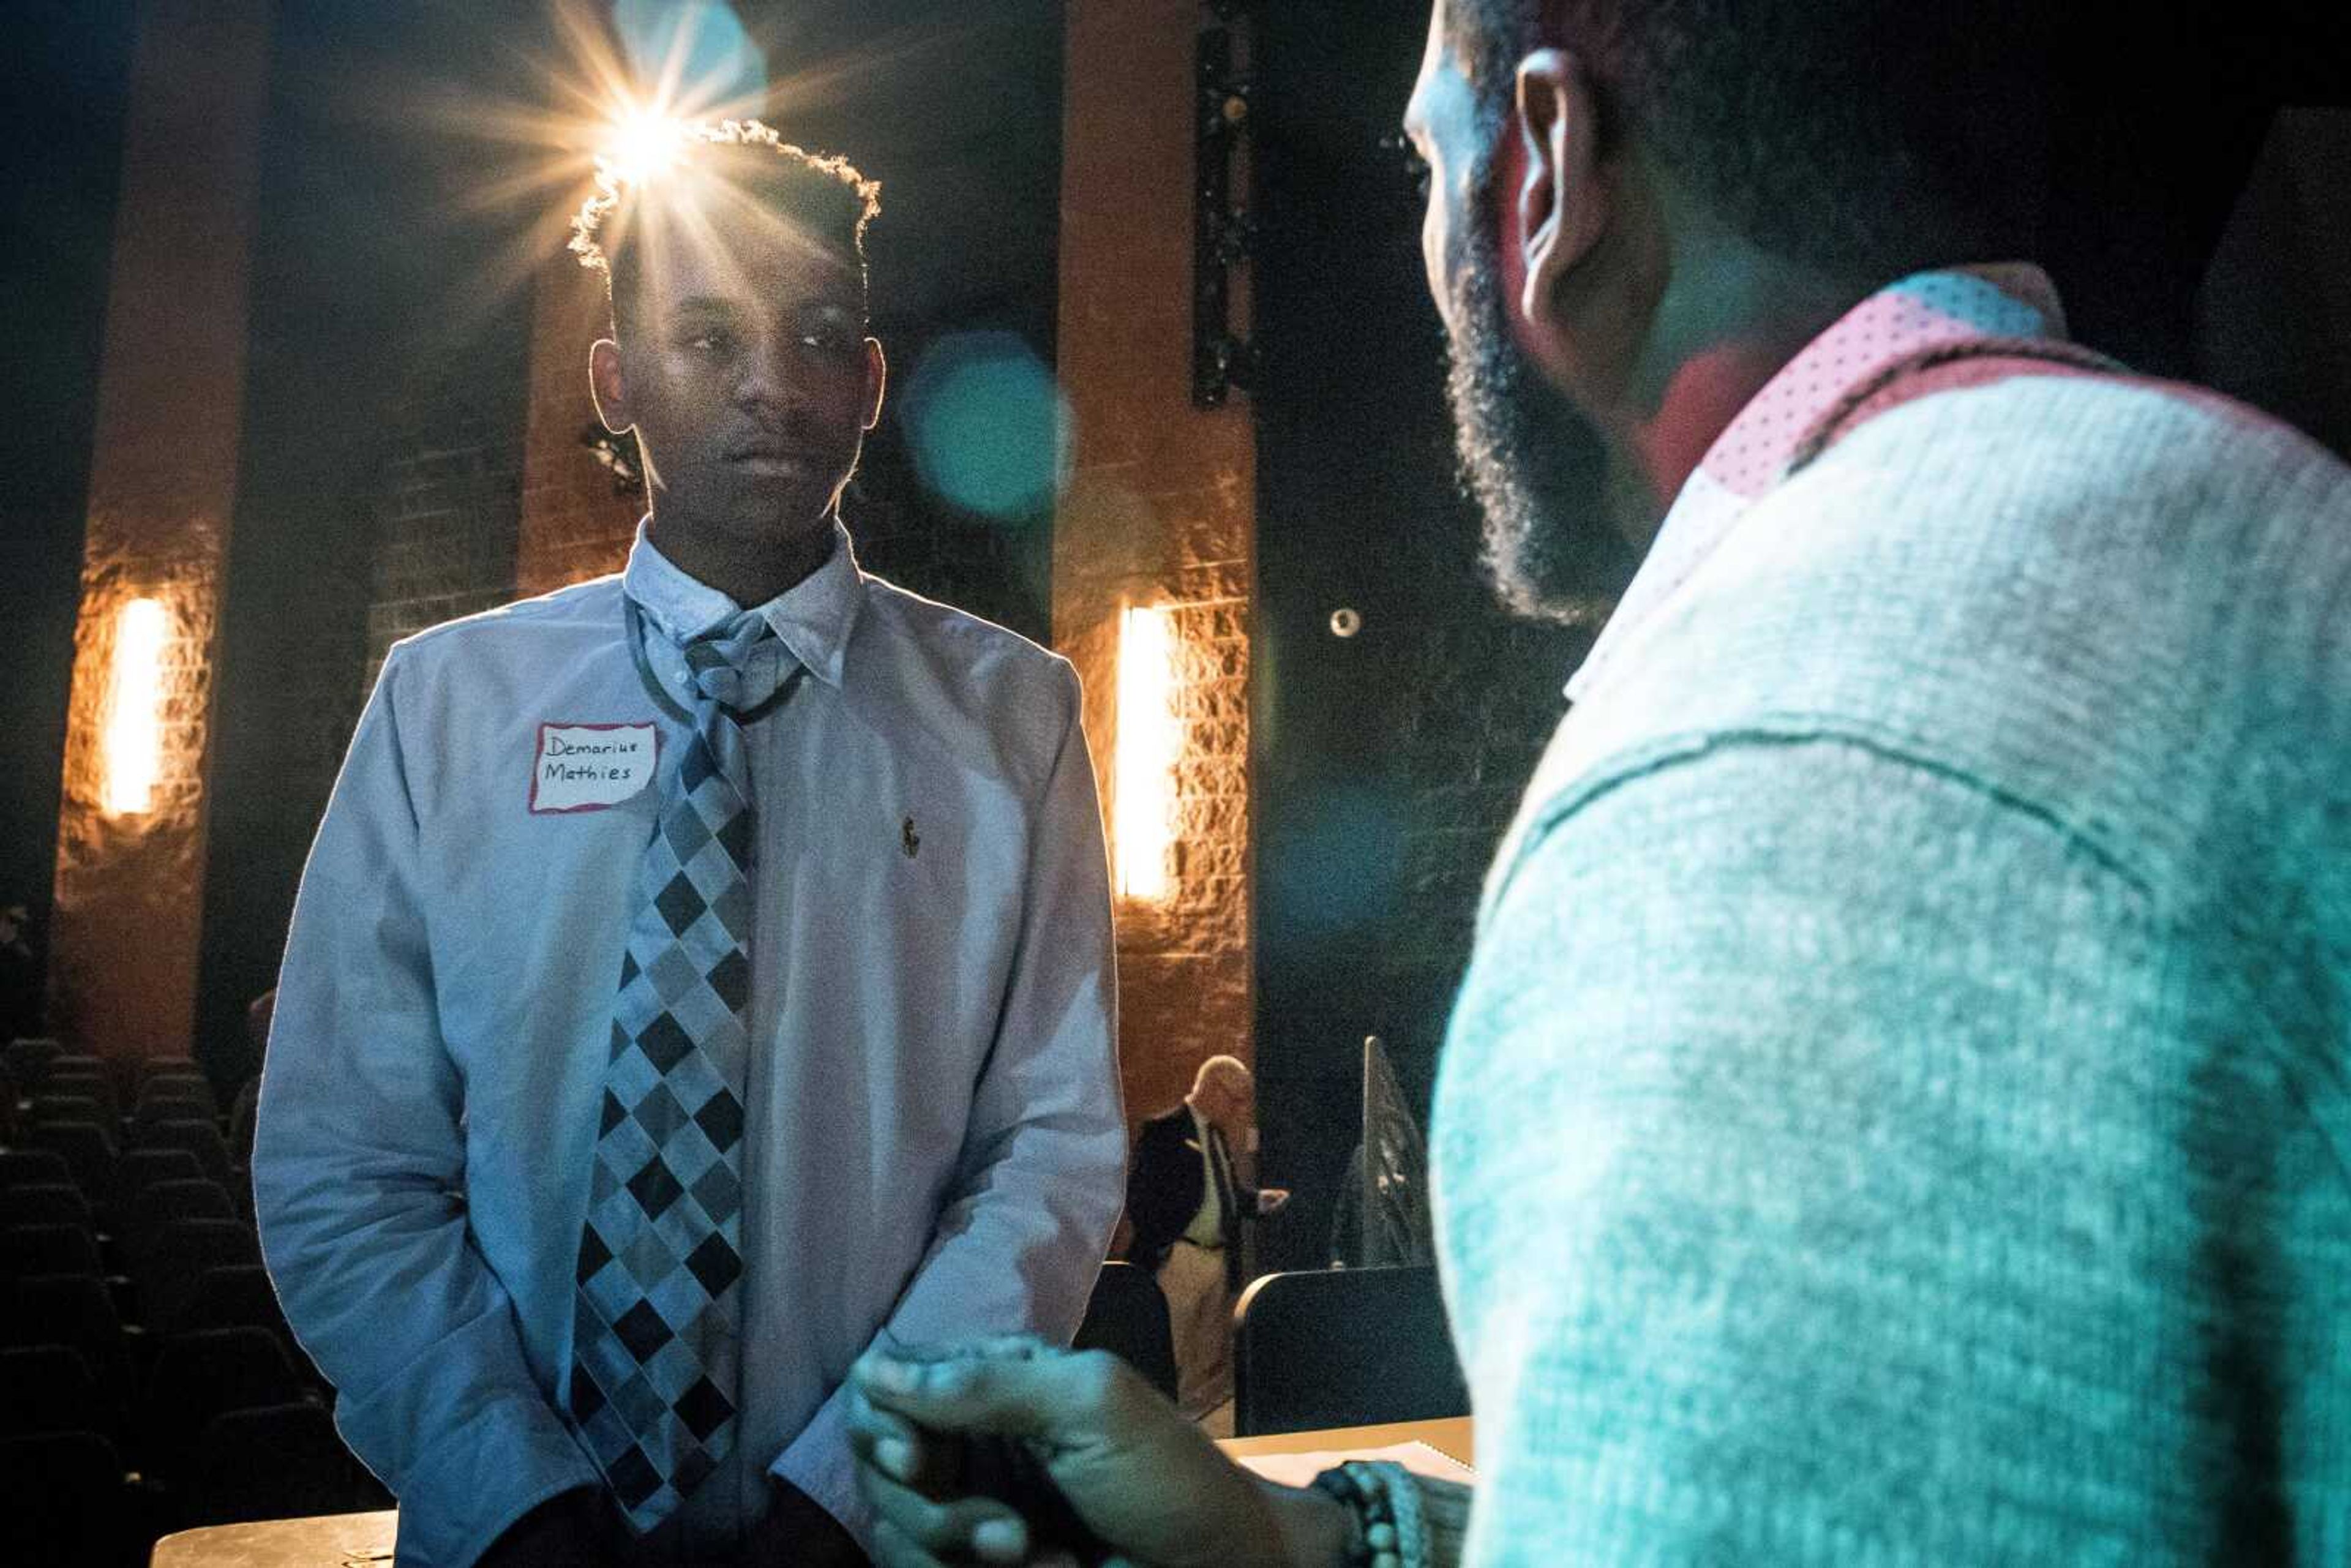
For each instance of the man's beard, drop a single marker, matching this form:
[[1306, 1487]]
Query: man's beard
[[1535, 465]]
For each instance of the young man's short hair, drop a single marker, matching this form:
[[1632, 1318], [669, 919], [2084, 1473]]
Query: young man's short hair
[[823, 195]]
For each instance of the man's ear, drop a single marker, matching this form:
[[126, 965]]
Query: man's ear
[[608, 387], [1562, 200], [877, 381]]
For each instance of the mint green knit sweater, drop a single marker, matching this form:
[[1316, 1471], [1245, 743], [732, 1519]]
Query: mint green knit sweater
[[1900, 1109]]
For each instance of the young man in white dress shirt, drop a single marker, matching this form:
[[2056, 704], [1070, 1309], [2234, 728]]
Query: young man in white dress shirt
[[904, 1116]]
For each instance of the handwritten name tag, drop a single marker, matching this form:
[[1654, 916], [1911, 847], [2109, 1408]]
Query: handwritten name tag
[[591, 766]]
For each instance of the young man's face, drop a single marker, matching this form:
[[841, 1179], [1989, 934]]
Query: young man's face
[[747, 374]]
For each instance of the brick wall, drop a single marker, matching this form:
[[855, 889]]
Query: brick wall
[[447, 495], [575, 524], [163, 486], [1160, 511], [998, 568], [1483, 700]]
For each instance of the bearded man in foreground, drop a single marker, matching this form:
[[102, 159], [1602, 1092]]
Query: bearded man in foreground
[[1897, 1110]]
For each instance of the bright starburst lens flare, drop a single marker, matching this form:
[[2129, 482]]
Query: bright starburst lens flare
[[607, 100], [641, 144]]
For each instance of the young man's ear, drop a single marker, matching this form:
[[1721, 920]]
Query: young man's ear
[[608, 387], [1562, 201], [877, 381]]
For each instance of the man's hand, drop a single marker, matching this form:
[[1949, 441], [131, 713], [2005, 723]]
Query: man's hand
[[949, 1446], [799, 1533], [567, 1531], [1270, 1200]]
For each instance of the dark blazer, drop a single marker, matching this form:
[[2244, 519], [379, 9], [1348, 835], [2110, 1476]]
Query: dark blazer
[[1164, 1187]]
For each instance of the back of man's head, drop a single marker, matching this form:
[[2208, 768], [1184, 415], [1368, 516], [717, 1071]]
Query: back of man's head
[[1865, 139], [719, 177]]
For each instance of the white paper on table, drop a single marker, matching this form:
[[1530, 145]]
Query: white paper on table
[[1299, 1470]]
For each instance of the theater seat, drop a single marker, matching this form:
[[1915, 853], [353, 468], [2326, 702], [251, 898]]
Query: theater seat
[[25, 1060], [89, 1081], [187, 1088], [243, 1297], [69, 1107], [88, 1150], [171, 1261], [27, 1249], [157, 1109], [76, 1311], [64, 1504], [198, 1376], [32, 1167], [240, 1297], [198, 1137], [1343, 1347], [166, 1203], [52, 1389], [274, 1461], [147, 1069], [135, 1170], [47, 1203]]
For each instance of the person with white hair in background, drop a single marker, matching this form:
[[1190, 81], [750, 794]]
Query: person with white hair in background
[[1186, 1204]]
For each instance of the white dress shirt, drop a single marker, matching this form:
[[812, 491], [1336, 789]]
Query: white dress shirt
[[1209, 1226], [935, 1135]]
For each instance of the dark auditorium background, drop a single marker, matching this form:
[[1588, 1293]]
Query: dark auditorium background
[[287, 350]]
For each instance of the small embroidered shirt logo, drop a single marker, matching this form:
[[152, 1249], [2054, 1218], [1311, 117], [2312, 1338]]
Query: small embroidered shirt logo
[[909, 839]]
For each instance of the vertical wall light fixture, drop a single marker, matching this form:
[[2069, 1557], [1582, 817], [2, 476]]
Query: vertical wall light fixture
[[134, 709], [1149, 740]]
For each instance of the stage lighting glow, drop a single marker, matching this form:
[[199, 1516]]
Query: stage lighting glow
[[697, 53], [134, 718], [641, 144], [606, 103], [988, 428], [1150, 740], [1335, 864], [692, 59]]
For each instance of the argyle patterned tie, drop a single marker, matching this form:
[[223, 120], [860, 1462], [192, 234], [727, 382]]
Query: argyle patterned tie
[[655, 1346]]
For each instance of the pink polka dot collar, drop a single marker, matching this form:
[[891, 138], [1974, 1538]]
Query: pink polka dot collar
[[1921, 314]]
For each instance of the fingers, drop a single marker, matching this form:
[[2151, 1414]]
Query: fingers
[[993, 1347], [911, 1531], [888, 1442], [870, 1425], [893, 1548], [1054, 1395]]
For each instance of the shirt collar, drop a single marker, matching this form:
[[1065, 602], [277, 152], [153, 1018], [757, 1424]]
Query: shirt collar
[[1924, 312], [813, 618]]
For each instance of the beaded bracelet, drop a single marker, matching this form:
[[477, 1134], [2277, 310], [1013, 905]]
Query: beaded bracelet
[[1391, 1531]]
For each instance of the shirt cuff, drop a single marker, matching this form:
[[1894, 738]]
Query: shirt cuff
[[819, 1463], [486, 1474]]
